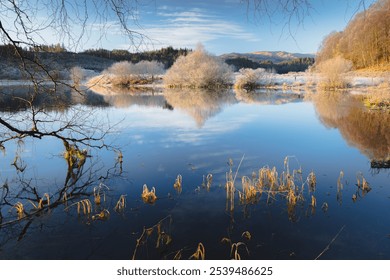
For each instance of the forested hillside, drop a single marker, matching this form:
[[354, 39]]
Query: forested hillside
[[365, 41]]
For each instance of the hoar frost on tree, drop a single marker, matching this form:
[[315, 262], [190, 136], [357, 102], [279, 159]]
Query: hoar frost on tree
[[199, 69]]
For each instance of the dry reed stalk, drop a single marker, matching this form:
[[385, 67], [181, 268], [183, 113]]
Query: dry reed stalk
[[121, 203], [286, 164], [339, 184], [199, 254], [178, 255], [362, 183], [339, 195], [65, 198], [249, 194], [247, 235], [313, 201], [312, 181], [103, 215], [209, 181], [100, 191], [41, 201], [149, 196], [19, 207], [234, 250], [230, 196], [230, 188], [178, 184], [330, 243], [119, 157], [291, 198], [85, 205], [226, 240], [162, 237]]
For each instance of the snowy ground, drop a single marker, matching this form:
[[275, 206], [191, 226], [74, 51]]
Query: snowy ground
[[293, 80]]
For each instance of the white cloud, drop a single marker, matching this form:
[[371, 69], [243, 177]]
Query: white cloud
[[187, 28]]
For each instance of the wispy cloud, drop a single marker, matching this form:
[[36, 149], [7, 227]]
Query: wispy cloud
[[187, 28]]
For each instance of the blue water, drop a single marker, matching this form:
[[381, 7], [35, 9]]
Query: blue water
[[194, 139]]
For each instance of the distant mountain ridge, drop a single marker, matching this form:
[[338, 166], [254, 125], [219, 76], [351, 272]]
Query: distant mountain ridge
[[274, 56]]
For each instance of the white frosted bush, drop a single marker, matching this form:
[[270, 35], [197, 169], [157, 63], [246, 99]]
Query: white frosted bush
[[198, 69], [251, 78], [126, 73], [149, 68]]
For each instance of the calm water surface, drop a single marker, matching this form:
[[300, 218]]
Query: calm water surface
[[194, 133]]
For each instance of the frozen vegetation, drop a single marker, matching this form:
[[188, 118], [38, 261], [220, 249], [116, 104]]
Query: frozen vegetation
[[126, 74], [199, 69]]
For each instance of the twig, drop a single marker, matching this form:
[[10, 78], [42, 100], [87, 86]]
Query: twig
[[330, 243]]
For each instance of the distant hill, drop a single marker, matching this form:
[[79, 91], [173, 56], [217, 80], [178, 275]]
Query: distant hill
[[278, 61], [274, 56]]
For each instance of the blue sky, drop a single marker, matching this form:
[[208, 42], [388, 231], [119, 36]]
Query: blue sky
[[225, 26]]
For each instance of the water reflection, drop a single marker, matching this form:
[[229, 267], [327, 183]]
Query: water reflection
[[140, 99], [368, 130], [267, 97], [365, 129], [200, 104], [18, 98]]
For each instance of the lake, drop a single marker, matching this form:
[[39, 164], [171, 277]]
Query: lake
[[208, 138]]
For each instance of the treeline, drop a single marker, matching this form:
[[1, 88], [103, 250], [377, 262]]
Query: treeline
[[10, 50], [365, 41], [166, 56], [295, 65]]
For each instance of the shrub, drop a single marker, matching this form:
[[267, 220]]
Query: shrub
[[125, 73], [198, 69], [333, 71], [251, 78]]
